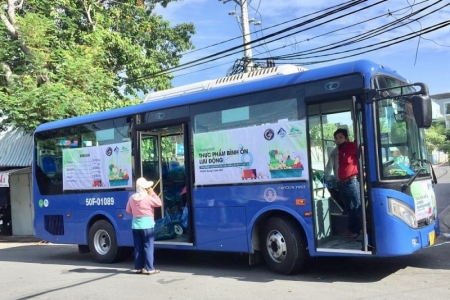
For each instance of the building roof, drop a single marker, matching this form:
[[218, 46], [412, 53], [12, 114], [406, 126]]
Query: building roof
[[440, 96], [16, 148]]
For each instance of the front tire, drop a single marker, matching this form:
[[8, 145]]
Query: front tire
[[103, 242], [283, 245]]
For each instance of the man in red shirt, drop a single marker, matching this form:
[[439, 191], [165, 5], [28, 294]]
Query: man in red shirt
[[348, 181]]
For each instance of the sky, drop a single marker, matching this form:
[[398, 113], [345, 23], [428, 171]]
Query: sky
[[424, 58]]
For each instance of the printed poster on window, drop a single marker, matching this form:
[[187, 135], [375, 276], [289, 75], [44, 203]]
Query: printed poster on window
[[424, 198], [272, 152], [100, 167]]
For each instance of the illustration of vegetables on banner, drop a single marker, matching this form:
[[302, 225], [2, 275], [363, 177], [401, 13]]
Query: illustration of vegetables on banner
[[117, 176]]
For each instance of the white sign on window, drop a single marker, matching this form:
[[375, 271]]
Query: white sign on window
[[101, 167]]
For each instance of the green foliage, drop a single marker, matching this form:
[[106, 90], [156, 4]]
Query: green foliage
[[322, 132], [438, 137], [319, 134], [64, 58], [398, 132], [150, 149]]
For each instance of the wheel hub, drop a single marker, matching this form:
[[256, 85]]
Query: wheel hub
[[102, 242], [276, 246]]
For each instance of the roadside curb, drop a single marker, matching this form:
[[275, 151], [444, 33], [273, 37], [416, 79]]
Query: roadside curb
[[20, 239]]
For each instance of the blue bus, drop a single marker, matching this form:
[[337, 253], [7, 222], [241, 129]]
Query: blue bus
[[239, 164]]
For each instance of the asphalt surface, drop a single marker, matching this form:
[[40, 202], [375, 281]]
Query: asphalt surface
[[444, 222]]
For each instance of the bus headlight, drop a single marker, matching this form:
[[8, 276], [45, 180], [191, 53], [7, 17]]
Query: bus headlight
[[403, 212]]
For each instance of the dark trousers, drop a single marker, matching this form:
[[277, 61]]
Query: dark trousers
[[351, 196], [144, 246]]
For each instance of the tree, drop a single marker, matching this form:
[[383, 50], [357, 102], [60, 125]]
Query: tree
[[64, 58], [319, 133], [438, 137], [398, 132]]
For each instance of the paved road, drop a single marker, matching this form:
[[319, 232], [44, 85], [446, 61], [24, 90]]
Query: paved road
[[32, 271], [442, 190], [29, 270]]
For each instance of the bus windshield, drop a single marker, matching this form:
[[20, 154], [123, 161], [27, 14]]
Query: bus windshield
[[403, 151]]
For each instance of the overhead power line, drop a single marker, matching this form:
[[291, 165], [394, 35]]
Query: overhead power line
[[387, 44], [361, 37], [367, 35], [217, 55], [294, 58], [337, 30], [279, 24]]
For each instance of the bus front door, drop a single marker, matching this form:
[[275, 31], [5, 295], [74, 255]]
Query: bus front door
[[329, 208]]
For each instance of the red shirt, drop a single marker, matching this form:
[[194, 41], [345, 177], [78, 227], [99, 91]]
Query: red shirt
[[348, 160]]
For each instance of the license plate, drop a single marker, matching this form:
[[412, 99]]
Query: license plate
[[432, 238]]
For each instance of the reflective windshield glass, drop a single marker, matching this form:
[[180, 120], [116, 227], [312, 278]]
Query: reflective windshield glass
[[403, 150]]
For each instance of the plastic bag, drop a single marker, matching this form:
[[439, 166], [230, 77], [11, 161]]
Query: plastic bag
[[184, 218], [164, 228]]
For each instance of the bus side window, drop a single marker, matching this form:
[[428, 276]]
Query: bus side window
[[44, 183]]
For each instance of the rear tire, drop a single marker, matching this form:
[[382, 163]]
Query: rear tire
[[283, 246], [103, 243]]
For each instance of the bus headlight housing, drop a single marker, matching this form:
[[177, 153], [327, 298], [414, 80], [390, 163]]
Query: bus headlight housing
[[403, 212]]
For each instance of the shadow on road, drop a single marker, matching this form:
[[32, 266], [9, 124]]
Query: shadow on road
[[221, 265], [215, 264]]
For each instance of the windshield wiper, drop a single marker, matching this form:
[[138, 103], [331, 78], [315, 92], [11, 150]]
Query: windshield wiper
[[411, 180]]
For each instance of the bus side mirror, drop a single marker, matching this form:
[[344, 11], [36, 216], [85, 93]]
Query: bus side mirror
[[422, 110]]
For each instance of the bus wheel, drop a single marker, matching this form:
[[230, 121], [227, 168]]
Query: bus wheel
[[283, 246], [103, 242]]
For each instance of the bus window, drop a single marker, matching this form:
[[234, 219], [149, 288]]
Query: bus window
[[51, 144], [247, 116]]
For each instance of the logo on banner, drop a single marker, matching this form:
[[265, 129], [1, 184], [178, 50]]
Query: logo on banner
[[295, 131], [109, 151], [269, 134], [282, 132]]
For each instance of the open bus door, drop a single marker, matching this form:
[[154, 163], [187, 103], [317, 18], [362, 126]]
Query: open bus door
[[161, 159], [330, 216]]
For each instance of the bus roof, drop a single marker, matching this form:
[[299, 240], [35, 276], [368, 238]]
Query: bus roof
[[224, 81], [213, 89]]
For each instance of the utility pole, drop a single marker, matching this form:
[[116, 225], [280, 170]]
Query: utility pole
[[243, 20], [246, 36]]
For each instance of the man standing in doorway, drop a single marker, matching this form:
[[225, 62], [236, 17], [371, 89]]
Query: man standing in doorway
[[348, 181]]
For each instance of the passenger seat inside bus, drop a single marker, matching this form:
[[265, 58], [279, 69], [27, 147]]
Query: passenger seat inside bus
[[48, 165]]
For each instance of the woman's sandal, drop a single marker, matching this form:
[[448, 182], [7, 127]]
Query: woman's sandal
[[152, 272]]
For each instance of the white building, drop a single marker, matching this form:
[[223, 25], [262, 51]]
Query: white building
[[443, 101]]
